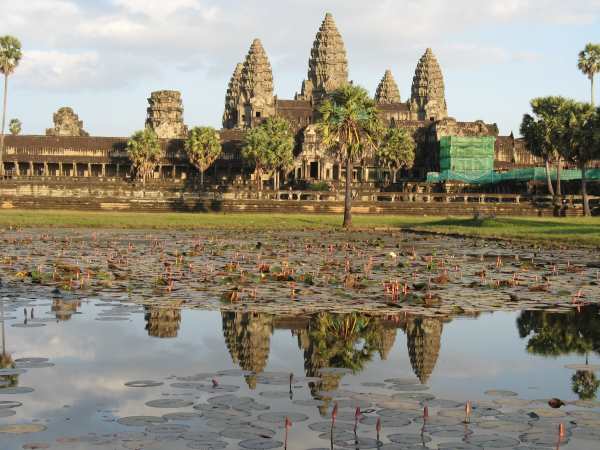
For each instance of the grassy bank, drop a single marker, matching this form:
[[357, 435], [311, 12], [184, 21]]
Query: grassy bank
[[557, 230]]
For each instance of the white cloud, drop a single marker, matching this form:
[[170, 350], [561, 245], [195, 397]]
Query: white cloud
[[157, 9]]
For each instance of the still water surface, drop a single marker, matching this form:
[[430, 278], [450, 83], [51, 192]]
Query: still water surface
[[397, 362]]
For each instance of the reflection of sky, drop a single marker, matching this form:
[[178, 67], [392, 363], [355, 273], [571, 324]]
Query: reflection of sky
[[93, 359]]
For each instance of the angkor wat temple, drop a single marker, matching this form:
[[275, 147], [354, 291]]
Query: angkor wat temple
[[68, 151]]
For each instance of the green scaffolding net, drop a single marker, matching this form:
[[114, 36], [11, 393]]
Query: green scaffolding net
[[467, 154], [491, 177]]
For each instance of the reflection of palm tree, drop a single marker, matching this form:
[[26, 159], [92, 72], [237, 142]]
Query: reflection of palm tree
[[423, 338], [162, 322], [585, 384], [6, 362], [64, 309], [338, 340], [248, 339]]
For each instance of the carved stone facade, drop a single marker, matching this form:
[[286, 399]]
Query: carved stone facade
[[250, 98], [387, 91], [66, 123], [328, 63], [165, 115], [428, 98]]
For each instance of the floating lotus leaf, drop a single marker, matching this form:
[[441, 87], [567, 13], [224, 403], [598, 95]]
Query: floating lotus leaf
[[504, 426], [360, 443], [28, 325], [234, 373], [274, 394], [143, 383], [7, 413], [24, 428], [500, 393], [207, 445], [418, 396], [16, 390], [35, 445], [247, 431], [492, 441], [11, 372], [169, 403], [140, 421], [181, 416], [260, 444], [408, 438], [338, 435], [448, 431], [201, 436], [30, 360], [442, 403], [322, 427], [409, 387], [167, 428], [457, 446], [279, 417]]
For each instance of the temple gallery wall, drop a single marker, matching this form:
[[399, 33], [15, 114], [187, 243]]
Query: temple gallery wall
[[67, 150]]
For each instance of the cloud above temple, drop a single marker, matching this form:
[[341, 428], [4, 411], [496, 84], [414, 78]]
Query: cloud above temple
[[83, 45]]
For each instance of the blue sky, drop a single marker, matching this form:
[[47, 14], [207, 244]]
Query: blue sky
[[104, 57]]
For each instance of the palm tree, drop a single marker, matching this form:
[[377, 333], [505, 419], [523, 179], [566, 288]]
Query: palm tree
[[585, 384], [10, 55], [397, 150], [203, 147], [144, 151], [589, 64], [14, 126], [351, 128]]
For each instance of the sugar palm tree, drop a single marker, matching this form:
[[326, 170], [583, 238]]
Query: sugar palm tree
[[10, 55], [589, 64], [203, 147], [144, 152], [14, 126], [351, 128]]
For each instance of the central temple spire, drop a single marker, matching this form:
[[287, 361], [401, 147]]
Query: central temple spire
[[328, 63]]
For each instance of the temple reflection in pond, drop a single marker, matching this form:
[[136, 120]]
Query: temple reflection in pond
[[162, 322], [64, 309], [348, 341]]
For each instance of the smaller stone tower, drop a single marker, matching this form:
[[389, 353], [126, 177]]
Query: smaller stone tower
[[428, 99], [165, 115], [66, 123], [387, 91], [232, 98]]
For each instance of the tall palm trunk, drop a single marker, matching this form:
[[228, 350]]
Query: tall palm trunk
[[558, 168], [3, 124], [202, 178], [548, 178], [348, 194], [592, 102], [586, 202]]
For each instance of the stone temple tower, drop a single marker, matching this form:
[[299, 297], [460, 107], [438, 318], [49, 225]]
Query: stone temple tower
[[428, 99], [256, 102], [328, 63], [387, 91], [165, 115], [66, 123], [232, 97]]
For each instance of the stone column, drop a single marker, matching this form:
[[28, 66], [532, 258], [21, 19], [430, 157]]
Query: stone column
[[46, 173], [174, 172], [60, 169], [118, 167], [103, 170], [31, 168], [74, 173], [89, 169]]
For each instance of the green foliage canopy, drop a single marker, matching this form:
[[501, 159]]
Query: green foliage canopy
[[270, 146], [203, 147], [143, 148]]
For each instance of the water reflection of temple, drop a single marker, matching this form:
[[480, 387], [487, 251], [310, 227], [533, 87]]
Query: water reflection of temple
[[347, 341], [248, 339], [64, 309], [423, 339], [162, 322]]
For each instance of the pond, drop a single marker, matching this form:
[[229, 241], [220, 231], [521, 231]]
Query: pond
[[121, 339]]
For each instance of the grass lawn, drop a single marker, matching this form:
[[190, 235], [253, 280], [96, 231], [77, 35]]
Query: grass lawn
[[557, 230]]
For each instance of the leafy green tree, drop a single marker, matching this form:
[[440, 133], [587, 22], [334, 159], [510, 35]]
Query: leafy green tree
[[144, 151], [589, 63], [14, 127], [10, 55], [545, 132], [351, 128], [397, 150], [582, 141], [585, 384], [203, 147], [270, 147]]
